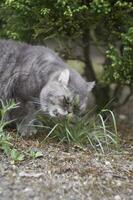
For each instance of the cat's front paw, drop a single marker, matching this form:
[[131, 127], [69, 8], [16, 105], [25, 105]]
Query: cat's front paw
[[26, 131]]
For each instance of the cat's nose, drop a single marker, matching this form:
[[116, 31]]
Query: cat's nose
[[55, 112]]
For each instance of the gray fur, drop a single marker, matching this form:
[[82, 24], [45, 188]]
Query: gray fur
[[30, 74]]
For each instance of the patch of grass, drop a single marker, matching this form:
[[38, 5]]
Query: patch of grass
[[7, 141], [16, 156], [34, 153], [97, 132], [6, 144]]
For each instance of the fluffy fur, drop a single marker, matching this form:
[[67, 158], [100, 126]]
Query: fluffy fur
[[37, 78]]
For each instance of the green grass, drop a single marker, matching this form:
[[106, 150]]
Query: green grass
[[95, 132], [6, 144], [101, 134], [5, 138]]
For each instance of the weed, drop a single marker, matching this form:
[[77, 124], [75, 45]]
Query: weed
[[34, 153], [83, 131], [5, 138], [92, 131], [16, 156]]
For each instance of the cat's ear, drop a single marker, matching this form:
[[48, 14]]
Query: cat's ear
[[64, 77], [90, 86]]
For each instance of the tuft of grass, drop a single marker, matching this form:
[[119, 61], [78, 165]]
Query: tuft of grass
[[6, 141], [97, 132], [4, 109], [34, 153], [5, 138], [16, 156]]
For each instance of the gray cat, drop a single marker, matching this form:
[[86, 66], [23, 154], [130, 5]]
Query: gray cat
[[37, 78]]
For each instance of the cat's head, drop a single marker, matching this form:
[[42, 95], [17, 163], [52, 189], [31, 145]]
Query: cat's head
[[59, 98]]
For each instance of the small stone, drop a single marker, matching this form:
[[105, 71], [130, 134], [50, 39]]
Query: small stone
[[30, 174], [107, 163], [117, 197], [28, 189], [1, 190], [118, 183], [122, 117]]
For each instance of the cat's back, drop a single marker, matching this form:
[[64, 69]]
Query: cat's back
[[8, 47], [9, 52], [14, 53]]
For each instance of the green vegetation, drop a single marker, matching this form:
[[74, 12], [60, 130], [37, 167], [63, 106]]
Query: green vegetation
[[5, 138], [71, 25], [84, 131], [106, 24], [34, 153], [94, 132], [7, 141], [120, 65]]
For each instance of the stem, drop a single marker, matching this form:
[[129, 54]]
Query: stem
[[100, 92]]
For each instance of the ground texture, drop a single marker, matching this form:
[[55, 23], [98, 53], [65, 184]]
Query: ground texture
[[68, 175], [71, 173]]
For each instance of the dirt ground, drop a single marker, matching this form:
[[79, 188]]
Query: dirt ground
[[71, 174]]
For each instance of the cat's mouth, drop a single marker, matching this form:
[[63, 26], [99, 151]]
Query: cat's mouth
[[56, 113]]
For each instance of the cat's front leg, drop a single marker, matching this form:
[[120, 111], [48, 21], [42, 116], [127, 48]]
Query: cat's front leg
[[26, 126]]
